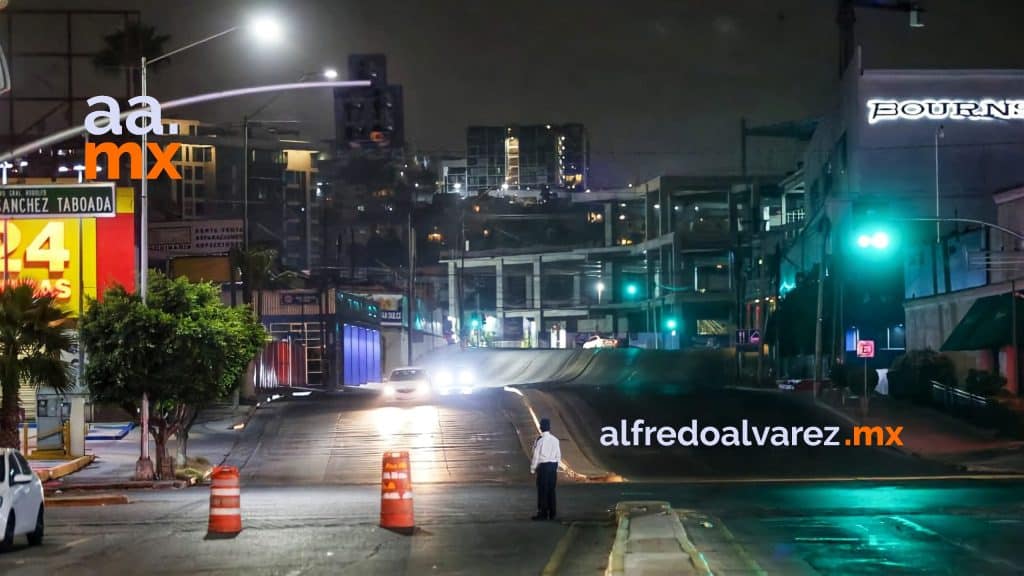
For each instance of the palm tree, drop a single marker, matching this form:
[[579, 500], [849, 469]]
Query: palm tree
[[33, 333], [256, 268], [123, 49]]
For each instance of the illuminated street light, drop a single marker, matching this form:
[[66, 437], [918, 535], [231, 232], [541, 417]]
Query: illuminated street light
[[266, 28], [330, 73]]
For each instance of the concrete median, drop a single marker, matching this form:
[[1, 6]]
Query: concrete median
[[652, 541]]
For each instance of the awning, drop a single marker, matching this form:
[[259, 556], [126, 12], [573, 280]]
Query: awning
[[987, 325]]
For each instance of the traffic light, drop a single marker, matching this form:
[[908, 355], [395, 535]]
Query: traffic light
[[632, 289], [671, 324], [875, 240]]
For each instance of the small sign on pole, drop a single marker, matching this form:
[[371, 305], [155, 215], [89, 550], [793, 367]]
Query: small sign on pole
[[865, 348]]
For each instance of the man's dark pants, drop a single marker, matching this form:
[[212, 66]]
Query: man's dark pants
[[547, 474]]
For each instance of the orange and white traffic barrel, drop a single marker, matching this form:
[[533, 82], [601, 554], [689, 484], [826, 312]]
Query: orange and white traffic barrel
[[396, 493], [225, 502]]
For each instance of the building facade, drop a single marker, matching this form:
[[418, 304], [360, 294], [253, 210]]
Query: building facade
[[902, 145], [533, 157]]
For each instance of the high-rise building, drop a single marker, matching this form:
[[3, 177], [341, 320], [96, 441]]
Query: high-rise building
[[534, 157], [369, 117]]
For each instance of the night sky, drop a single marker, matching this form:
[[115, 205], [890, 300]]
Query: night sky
[[660, 84]]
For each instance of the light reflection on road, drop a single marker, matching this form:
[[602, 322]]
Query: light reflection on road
[[418, 430]]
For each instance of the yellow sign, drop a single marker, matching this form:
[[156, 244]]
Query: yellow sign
[[58, 254]]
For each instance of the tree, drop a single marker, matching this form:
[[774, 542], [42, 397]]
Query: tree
[[258, 273], [123, 51], [33, 333], [183, 348]]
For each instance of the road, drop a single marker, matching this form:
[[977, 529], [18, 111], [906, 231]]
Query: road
[[310, 469], [844, 528], [340, 439]]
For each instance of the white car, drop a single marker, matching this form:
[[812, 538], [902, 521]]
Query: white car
[[408, 382], [21, 500], [455, 380], [596, 341]]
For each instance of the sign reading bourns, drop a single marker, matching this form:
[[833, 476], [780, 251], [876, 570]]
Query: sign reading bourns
[[881, 110]]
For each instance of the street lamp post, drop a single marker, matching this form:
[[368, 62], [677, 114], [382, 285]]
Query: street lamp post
[[144, 466], [939, 133]]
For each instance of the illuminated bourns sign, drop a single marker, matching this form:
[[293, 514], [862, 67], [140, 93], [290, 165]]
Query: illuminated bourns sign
[[887, 110]]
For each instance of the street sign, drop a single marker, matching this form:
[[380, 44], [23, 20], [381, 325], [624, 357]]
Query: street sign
[[754, 337], [300, 299], [865, 348], [75, 201], [742, 337]]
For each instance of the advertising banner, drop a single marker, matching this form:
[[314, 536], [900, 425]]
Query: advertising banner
[[193, 238], [71, 257]]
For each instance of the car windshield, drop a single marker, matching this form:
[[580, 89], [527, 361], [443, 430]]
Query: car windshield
[[399, 375]]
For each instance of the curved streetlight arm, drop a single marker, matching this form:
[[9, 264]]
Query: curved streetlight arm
[[146, 62], [1004, 229], [187, 101]]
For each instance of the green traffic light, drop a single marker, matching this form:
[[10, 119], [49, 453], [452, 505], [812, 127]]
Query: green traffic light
[[474, 323], [671, 324], [631, 289]]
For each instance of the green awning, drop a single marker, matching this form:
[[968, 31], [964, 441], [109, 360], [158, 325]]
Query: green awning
[[987, 325]]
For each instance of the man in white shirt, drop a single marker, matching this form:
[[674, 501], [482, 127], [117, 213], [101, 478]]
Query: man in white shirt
[[546, 456]]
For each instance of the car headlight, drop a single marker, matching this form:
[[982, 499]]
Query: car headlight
[[423, 387], [444, 378], [389, 390], [466, 378]]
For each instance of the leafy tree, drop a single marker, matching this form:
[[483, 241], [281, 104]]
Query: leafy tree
[[33, 333], [183, 348], [124, 49]]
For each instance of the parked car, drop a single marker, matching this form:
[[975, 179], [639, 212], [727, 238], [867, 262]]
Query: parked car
[[596, 341], [21, 500], [408, 382]]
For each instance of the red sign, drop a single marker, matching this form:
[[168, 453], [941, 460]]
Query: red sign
[[865, 348]]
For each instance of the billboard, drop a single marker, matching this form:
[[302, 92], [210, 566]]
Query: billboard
[[193, 238], [72, 257], [390, 307]]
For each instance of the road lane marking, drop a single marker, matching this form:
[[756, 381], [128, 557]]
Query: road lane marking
[[561, 550], [991, 559]]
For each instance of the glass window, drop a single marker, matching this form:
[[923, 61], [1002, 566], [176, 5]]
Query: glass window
[[12, 469], [25, 468], [400, 375], [197, 173]]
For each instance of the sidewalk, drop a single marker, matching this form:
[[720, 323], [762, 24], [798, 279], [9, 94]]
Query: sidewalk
[[932, 434], [212, 437]]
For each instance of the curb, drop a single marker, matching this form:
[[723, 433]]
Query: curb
[[605, 477], [116, 485], [61, 470], [97, 500], [617, 562]]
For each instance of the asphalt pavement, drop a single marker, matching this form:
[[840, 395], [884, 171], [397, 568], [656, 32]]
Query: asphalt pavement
[[310, 471], [807, 528], [341, 438]]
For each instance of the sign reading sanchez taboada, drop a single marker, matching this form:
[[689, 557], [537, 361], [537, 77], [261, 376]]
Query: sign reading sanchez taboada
[[81, 201]]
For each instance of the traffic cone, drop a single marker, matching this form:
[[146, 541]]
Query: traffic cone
[[396, 493], [225, 503]]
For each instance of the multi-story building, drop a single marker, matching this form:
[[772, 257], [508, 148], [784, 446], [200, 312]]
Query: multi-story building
[[535, 157], [284, 199], [665, 275], [370, 117], [903, 145]]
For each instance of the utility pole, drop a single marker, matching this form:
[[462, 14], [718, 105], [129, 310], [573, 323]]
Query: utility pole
[[826, 231], [939, 133], [411, 289]]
